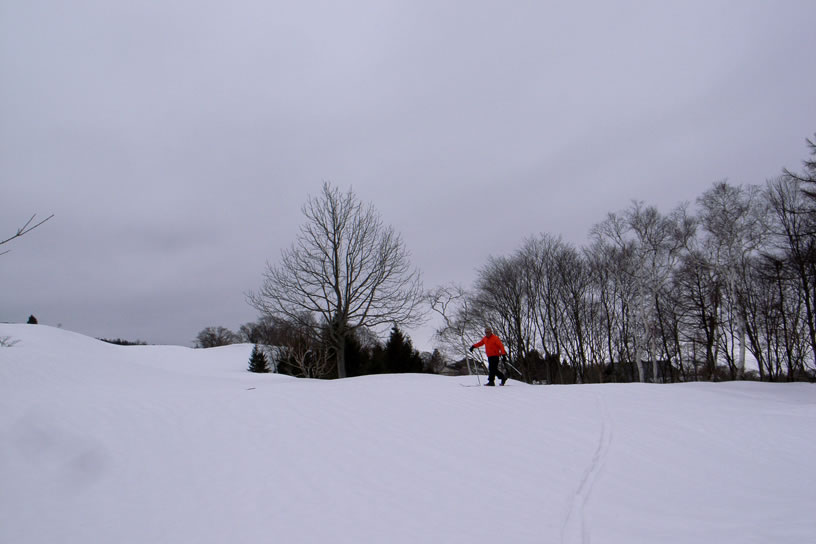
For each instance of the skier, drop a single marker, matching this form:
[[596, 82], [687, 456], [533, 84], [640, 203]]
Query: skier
[[493, 348]]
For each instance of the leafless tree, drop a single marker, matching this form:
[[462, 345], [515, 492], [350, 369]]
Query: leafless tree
[[796, 243], [25, 229], [539, 257], [660, 241], [461, 324], [575, 299], [501, 301], [212, 337], [734, 229], [776, 321], [303, 349], [345, 267], [452, 304], [699, 290], [265, 330], [652, 243]]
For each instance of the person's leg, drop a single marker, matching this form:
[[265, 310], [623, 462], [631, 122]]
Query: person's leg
[[500, 375], [492, 367]]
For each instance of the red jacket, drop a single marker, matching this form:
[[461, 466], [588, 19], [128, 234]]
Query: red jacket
[[493, 345]]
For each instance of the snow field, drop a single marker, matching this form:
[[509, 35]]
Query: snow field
[[137, 444]]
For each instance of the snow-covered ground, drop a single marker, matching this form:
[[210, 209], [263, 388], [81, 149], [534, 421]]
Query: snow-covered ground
[[155, 444]]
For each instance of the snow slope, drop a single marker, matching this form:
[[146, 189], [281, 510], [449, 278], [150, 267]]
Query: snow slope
[[158, 444]]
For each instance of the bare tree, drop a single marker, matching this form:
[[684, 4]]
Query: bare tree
[[452, 303], [462, 323], [734, 228], [347, 268], [501, 301], [303, 350], [574, 290], [700, 295], [796, 242], [28, 227], [540, 257], [653, 243], [212, 337], [612, 269]]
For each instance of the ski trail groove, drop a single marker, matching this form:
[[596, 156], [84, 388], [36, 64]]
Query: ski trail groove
[[574, 528]]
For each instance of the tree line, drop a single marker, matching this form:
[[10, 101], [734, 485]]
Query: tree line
[[677, 296], [293, 350]]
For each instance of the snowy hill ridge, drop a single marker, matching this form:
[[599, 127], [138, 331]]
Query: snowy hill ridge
[[164, 444]]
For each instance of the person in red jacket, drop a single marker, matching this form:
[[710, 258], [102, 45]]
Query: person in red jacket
[[493, 348]]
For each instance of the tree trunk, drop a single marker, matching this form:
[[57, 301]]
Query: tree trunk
[[639, 360], [341, 358], [741, 360]]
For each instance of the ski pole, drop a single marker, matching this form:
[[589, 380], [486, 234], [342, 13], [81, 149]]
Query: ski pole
[[507, 362], [475, 370], [468, 359]]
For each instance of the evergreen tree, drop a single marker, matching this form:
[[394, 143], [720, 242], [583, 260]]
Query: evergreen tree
[[400, 355], [437, 363], [359, 361], [32, 320], [257, 361]]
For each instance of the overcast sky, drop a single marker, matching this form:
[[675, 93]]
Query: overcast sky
[[176, 141]]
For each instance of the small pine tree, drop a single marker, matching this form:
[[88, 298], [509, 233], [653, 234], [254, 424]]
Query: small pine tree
[[400, 355], [257, 361], [436, 364], [32, 320]]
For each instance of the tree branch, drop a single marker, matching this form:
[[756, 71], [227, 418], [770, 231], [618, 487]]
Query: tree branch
[[25, 229]]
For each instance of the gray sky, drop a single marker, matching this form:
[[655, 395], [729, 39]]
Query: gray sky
[[176, 141]]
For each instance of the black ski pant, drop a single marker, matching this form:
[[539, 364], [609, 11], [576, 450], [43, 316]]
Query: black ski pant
[[493, 369]]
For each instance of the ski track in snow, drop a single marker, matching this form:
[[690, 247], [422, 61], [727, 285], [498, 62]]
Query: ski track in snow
[[574, 527]]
